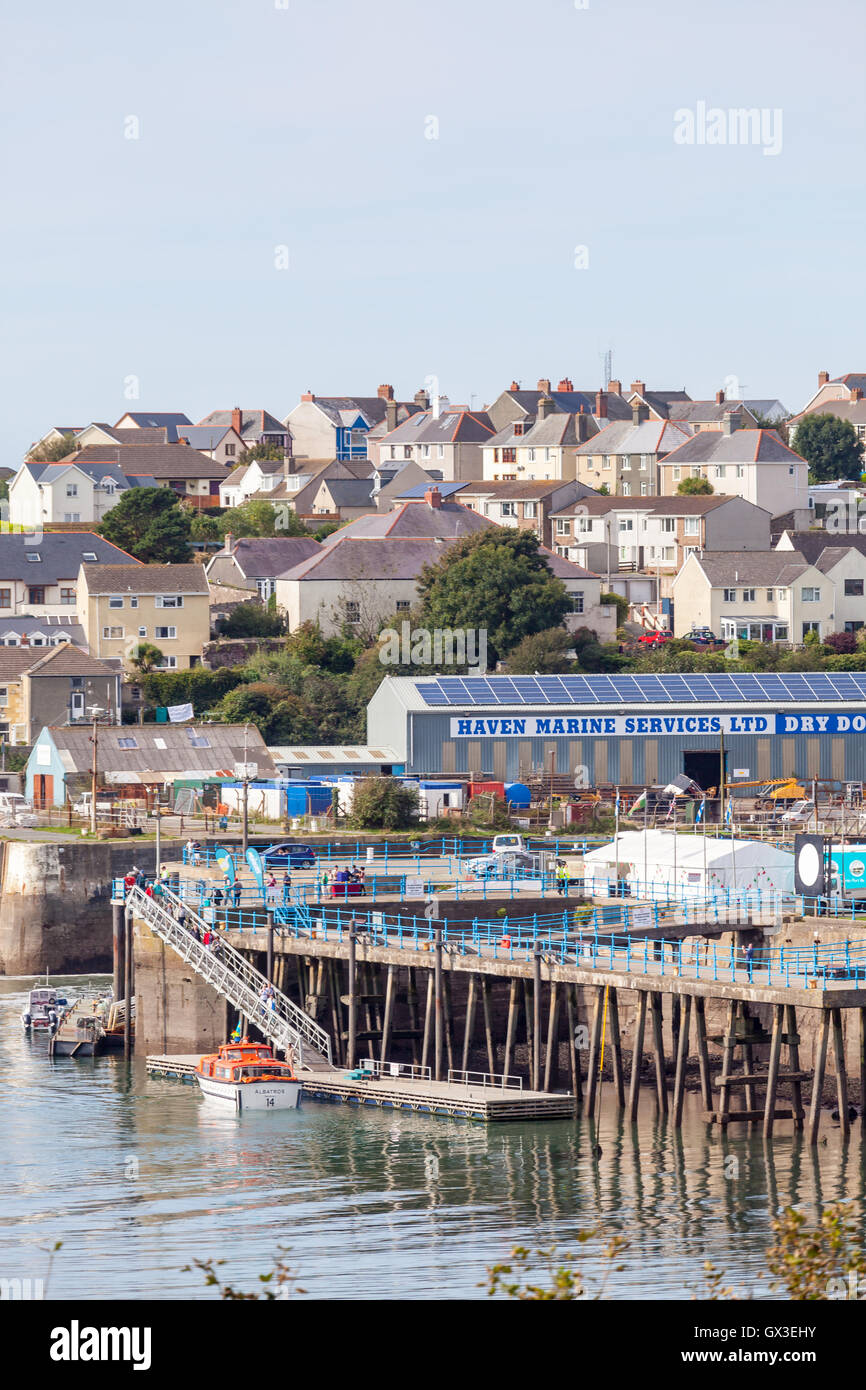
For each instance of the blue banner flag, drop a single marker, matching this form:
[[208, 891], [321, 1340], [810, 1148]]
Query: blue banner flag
[[254, 861]]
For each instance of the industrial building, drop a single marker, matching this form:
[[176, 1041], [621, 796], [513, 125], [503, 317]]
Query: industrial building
[[628, 730]]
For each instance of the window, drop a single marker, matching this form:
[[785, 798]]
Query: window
[[854, 588], [353, 612], [89, 555], [168, 663], [562, 550], [676, 472], [127, 743], [644, 461], [624, 460], [528, 511], [142, 632], [67, 596], [5, 598], [748, 596], [159, 743], [577, 601], [71, 516], [71, 489], [719, 470], [626, 489], [644, 489], [425, 451], [4, 695], [530, 455], [33, 557], [626, 523], [393, 451], [165, 634], [168, 601], [811, 627], [440, 451], [115, 601], [729, 596], [741, 472], [112, 634], [692, 526], [605, 461], [509, 509], [770, 595], [584, 523], [669, 552], [562, 526], [810, 595], [669, 524], [403, 605], [36, 594], [198, 740], [133, 602]]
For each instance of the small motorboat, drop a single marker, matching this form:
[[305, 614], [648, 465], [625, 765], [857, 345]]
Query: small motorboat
[[248, 1076], [44, 1007], [80, 1031]]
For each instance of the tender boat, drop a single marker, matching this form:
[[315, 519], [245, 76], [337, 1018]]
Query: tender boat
[[248, 1076], [43, 1009], [80, 1031]]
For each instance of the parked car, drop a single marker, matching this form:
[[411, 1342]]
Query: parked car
[[289, 856], [501, 865], [655, 639], [702, 637]]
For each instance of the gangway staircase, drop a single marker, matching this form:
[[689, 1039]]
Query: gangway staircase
[[285, 1026]]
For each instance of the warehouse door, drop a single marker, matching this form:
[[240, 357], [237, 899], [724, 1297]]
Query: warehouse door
[[43, 791], [703, 765]]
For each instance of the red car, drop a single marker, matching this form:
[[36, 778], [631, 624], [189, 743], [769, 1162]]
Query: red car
[[655, 639]]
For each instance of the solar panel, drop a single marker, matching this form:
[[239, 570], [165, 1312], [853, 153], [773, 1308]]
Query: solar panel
[[795, 687]]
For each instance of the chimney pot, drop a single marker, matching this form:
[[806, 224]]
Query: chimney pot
[[433, 498], [565, 385], [601, 404], [308, 396], [823, 378], [856, 394], [639, 387], [544, 384], [720, 398], [229, 541], [386, 393], [614, 388], [515, 386], [421, 398]]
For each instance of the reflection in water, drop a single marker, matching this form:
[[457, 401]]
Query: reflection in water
[[137, 1177]]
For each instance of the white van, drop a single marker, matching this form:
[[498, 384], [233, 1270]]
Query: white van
[[15, 809]]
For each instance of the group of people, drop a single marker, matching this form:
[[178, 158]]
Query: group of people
[[354, 873]]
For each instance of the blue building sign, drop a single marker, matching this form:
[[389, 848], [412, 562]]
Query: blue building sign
[[611, 725]]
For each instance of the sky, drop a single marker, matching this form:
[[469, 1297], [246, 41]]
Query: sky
[[220, 204]]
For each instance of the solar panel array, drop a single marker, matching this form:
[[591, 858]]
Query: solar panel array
[[774, 687]]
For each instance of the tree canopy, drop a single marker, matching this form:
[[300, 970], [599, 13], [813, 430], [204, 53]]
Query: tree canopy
[[695, 487], [151, 524], [830, 447], [498, 581], [52, 451]]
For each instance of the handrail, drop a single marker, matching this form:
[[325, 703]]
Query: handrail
[[231, 974]]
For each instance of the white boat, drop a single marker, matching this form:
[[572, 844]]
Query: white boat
[[247, 1076], [43, 1009]]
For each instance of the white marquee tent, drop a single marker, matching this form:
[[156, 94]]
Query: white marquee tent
[[654, 861]]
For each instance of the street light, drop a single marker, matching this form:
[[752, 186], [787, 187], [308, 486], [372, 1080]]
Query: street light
[[95, 712]]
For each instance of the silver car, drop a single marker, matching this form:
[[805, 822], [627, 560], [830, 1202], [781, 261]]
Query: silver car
[[501, 865]]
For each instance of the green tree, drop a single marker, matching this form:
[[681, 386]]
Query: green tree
[[496, 580], [620, 602], [57, 449], [383, 803], [251, 620], [259, 518], [542, 652], [695, 487], [145, 658], [151, 524], [204, 527], [267, 453], [830, 447]]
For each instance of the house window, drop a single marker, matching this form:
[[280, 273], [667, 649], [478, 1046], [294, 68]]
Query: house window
[[198, 740], [36, 594], [407, 451], [748, 596], [669, 552], [133, 602], [624, 460], [605, 461], [509, 509], [530, 455], [71, 489], [5, 598], [584, 523], [741, 472], [729, 596], [142, 632], [626, 489], [89, 555], [67, 596], [528, 511], [577, 601], [811, 627], [353, 612], [425, 451], [168, 663], [165, 634], [644, 462], [769, 595], [719, 470], [810, 595], [508, 455], [854, 588], [168, 601], [71, 516], [33, 557], [562, 526], [403, 605], [115, 601], [230, 450], [112, 634], [626, 523], [393, 451], [644, 489], [692, 526], [676, 473], [4, 695], [669, 524]]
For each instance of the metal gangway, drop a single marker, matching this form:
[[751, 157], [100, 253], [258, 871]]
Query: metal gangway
[[228, 972]]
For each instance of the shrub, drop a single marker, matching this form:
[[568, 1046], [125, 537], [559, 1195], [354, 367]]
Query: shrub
[[383, 803]]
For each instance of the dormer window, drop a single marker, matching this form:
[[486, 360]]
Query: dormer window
[[518, 427]]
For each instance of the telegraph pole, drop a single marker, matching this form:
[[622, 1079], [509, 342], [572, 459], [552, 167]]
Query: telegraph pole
[[95, 712]]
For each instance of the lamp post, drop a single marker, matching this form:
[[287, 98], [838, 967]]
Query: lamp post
[[95, 712]]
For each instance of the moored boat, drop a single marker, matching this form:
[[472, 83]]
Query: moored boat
[[80, 1032], [43, 1009], [248, 1076]]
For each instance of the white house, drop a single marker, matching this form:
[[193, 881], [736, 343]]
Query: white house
[[760, 595], [754, 464], [80, 492]]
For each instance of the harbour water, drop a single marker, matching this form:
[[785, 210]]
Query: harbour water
[[138, 1177]]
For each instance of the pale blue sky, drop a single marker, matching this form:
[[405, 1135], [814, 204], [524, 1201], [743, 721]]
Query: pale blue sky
[[454, 257]]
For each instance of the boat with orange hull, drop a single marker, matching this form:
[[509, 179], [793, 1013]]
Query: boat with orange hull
[[247, 1076]]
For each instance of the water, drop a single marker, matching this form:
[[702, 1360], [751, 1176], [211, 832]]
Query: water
[[138, 1177]]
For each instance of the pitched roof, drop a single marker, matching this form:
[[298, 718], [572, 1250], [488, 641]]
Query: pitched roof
[[415, 519], [663, 506], [368, 558], [163, 748], [452, 426], [61, 555], [145, 434], [825, 548], [156, 420], [156, 460], [572, 402], [67, 660], [203, 436], [349, 492], [14, 661], [261, 557], [254, 423], [741, 446], [97, 471], [780, 567], [342, 410], [704, 412], [532, 489], [625, 437], [145, 579]]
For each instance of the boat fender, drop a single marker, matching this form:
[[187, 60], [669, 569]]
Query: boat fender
[[27, 1020]]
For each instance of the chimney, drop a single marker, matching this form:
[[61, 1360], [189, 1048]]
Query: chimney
[[640, 387], [565, 385], [433, 498], [639, 413], [823, 378], [720, 398], [614, 388], [546, 406], [544, 384], [228, 542], [421, 398], [385, 393], [390, 415], [308, 396], [515, 386], [856, 394], [601, 405], [728, 422], [237, 419]]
